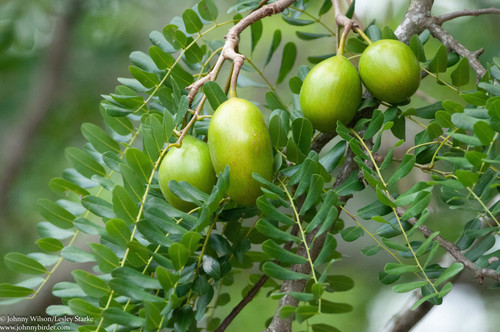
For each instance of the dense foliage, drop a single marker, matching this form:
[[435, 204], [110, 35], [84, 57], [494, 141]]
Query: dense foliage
[[160, 267]]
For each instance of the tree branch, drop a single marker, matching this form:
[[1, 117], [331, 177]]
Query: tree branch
[[247, 299], [451, 43], [253, 291], [415, 19], [285, 324], [232, 41], [418, 18], [341, 19], [467, 12], [454, 251], [409, 318]]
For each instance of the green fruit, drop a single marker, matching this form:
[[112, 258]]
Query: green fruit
[[238, 137], [390, 70], [191, 163], [331, 92]]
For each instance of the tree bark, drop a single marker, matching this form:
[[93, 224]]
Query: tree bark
[[414, 21]]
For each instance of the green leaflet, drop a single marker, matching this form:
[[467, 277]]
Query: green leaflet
[[23, 264]]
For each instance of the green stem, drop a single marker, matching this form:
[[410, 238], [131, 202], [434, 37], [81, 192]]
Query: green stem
[[431, 165], [420, 145], [232, 92], [75, 236], [157, 87], [205, 65], [362, 142], [376, 240], [488, 212], [488, 152], [317, 20], [433, 170], [425, 127], [363, 35], [302, 233], [205, 244], [264, 78], [439, 80], [341, 44]]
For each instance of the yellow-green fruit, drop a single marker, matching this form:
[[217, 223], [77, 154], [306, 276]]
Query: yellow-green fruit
[[191, 163], [390, 70], [238, 137], [331, 92]]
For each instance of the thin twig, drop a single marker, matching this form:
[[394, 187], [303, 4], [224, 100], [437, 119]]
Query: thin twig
[[247, 299], [253, 291], [454, 251], [341, 19], [418, 18], [232, 41], [405, 321], [467, 12], [279, 324], [451, 43], [344, 21]]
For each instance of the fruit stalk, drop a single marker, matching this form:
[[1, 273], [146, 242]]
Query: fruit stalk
[[232, 41]]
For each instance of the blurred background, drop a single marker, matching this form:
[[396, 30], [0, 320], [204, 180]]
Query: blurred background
[[58, 56]]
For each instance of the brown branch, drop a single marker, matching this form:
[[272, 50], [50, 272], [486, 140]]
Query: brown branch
[[38, 108], [321, 140], [232, 41], [285, 324], [247, 299], [253, 291], [415, 19], [454, 251], [349, 166], [467, 12], [341, 19], [418, 18], [408, 318], [211, 76], [405, 321], [451, 43]]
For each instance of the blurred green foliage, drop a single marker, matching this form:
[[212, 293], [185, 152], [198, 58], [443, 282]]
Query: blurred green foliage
[[103, 36]]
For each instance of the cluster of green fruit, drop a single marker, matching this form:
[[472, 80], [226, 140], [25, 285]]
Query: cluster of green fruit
[[331, 91], [238, 136]]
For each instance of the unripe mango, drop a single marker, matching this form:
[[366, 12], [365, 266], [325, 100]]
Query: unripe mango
[[191, 163], [331, 92], [390, 70], [238, 137]]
